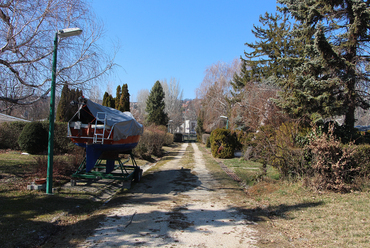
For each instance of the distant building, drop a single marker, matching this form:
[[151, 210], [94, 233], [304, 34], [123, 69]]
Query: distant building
[[190, 127]]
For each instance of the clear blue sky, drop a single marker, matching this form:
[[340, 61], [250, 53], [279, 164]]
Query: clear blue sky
[[164, 39]]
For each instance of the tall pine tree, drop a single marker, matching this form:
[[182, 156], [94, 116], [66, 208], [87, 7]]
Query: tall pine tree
[[155, 106], [334, 77], [273, 56]]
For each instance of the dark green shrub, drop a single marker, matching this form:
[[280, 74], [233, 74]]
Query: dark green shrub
[[9, 134], [34, 138], [242, 139], [177, 137], [62, 144], [223, 143], [363, 137], [346, 134]]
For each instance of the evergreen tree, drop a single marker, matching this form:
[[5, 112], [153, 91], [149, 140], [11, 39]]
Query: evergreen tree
[[155, 106], [124, 99], [334, 77], [108, 100], [65, 110], [264, 64], [105, 99], [63, 104], [118, 97]]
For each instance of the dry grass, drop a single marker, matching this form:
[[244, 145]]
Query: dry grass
[[302, 218], [289, 214]]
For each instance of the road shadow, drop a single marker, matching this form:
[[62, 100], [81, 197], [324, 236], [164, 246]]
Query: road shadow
[[160, 185], [129, 230]]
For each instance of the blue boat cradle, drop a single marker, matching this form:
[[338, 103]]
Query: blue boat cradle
[[109, 165]]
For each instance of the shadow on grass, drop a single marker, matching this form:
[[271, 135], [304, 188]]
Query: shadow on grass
[[30, 219], [262, 214]]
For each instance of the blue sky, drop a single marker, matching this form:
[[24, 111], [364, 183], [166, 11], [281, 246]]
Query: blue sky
[[163, 39]]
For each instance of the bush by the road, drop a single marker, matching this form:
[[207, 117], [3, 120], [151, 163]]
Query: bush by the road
[[9, 133], [33, 138], [151, 142], [223, 143]]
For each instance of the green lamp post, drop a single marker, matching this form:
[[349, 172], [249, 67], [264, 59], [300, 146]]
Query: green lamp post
[[67, 32]]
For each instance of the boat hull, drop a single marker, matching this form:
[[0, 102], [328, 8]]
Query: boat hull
[[95, 150], [108, 145]]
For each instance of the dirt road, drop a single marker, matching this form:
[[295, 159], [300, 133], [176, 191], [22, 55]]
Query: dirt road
[[175, 207]]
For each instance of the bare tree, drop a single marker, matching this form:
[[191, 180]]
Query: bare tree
[[140, 113], [173, 101], [215, 90], [255, 107], [27, 32], [95, 94]]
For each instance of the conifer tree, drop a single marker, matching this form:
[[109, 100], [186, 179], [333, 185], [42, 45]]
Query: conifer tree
[[105, 98], [263, 63], [155, 106], [124, 99], [118, 97], [108, 100], [65, 110], [334, 77], [63, 104]]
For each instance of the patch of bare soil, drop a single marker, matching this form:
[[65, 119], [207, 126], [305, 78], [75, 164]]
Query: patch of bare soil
[[175, 207]]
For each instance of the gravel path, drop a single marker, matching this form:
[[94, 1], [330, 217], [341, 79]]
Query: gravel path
[[175, 207]]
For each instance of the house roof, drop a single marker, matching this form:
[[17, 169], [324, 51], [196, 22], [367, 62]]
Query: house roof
[[9, 118]]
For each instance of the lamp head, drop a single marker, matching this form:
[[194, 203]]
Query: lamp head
[[67, 32]]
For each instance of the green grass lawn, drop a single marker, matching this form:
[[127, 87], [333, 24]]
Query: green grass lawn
[[249, 171]]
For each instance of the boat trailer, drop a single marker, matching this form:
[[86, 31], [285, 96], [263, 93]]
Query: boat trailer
[[109, 165]]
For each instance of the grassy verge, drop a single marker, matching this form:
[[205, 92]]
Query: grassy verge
[[300, 217], [288, 214], [30, 218], [250, 172]]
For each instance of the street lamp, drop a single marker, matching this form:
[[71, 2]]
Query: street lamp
[[67, 32], [227, 121]]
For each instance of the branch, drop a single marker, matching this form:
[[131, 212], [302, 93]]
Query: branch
[[18, 100]]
